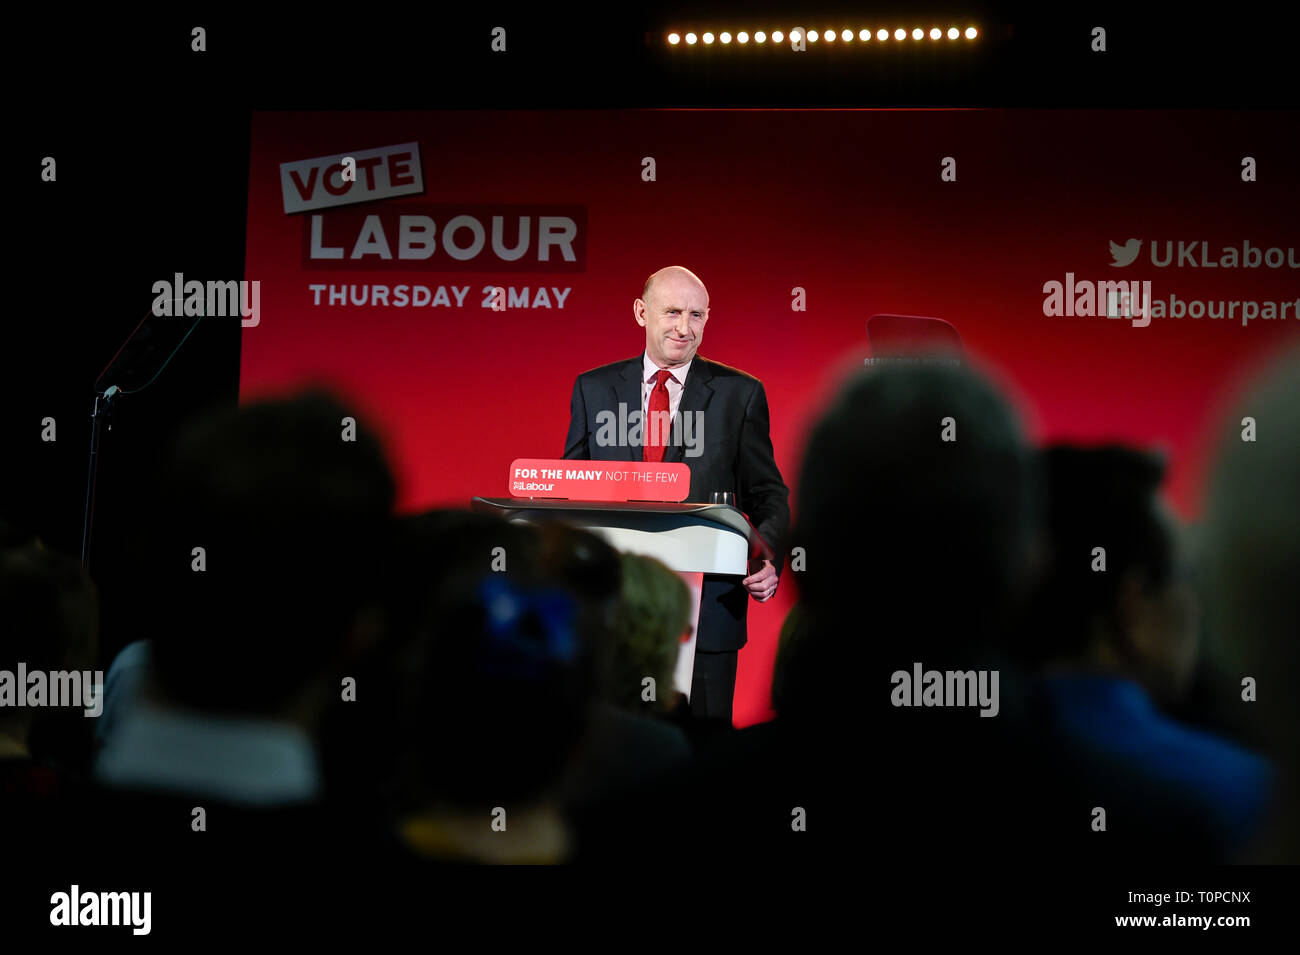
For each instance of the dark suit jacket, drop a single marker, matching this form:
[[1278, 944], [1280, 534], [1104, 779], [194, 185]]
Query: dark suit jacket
[[737, 457]]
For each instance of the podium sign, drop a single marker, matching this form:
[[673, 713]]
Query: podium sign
[[599, 480]]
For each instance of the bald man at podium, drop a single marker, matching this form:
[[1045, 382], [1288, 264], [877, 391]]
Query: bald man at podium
[[720, 430]]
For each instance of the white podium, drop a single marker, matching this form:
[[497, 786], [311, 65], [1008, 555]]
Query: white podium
[[692, 539]]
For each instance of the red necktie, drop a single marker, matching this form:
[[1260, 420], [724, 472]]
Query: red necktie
[[652, 450]]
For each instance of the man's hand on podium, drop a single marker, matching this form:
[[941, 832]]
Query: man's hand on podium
[[762, 585]]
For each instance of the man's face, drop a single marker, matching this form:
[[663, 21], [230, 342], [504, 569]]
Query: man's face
[[673, 317]]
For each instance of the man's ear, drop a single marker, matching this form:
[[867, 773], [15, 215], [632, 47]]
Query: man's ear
[[638, 312]]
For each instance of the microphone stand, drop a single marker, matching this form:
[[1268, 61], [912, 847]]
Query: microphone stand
[[144, 342], [104, 404]]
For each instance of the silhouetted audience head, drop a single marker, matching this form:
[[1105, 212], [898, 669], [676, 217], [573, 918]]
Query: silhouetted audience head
[[1116, 596], [291, 520], [590, 568], [498, 679], [790, 650], [50, 610], [652, 617], [11, 535], [917, 510], [1252, 552], [49, 621], [424, 549]]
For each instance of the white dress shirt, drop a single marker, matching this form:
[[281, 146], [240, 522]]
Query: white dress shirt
[[675, 384]]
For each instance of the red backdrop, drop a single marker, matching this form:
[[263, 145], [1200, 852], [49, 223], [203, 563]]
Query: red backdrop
[[848, 205]]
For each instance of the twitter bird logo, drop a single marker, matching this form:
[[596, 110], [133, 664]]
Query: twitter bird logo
[[1124, 254]]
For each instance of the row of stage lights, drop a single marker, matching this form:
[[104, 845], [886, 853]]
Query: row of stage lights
[[777, 36]]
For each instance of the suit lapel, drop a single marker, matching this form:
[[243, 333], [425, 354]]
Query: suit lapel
[[627, 391], [695, 397]]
